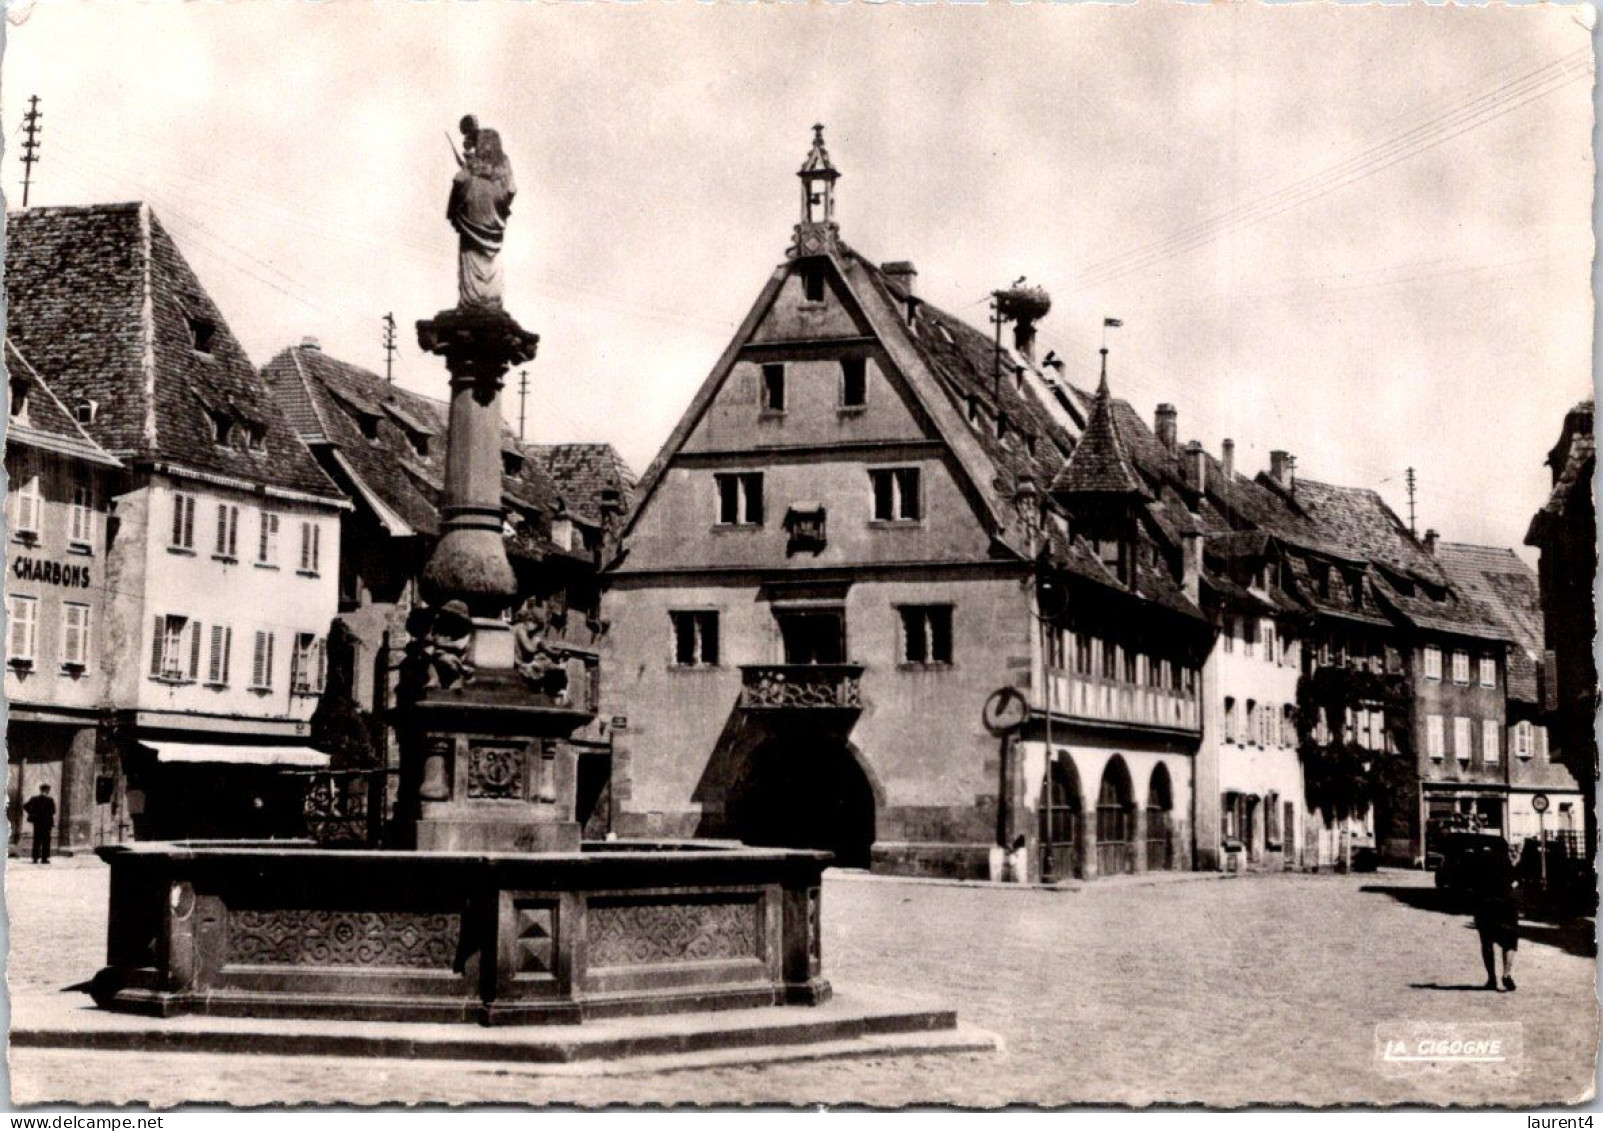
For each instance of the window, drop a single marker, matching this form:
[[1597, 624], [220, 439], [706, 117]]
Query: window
[[896, 494], [80, 529], [222, 648], [1227, 634], [812, 635], [1266, 725], [201, 333], [306, 665], [22, 613], [86, 411], [183, 522], [28, 506], [1491, 742], [740, 499], [1433, 738], [367, 424], [227, 531], [813, 281], [267, 544], [1461, 738], [222, 427], [1110, 660], [1082, 654], [1523, 746], [1433, 662], [256, 437], [1249, 635], [695, 639], [773, 388], [311, 536], [175, 649], [1488, 671], [853, 382], [261, 668], [1288, 726], [75, 636], [927, 634], [1460, 667], [1230, 719], [19, 398], [1271, 652], [1250, 735]]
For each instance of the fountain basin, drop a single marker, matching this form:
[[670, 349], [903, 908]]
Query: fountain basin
[[619, 928]]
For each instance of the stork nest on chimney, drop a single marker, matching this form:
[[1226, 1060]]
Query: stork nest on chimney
[[1023, 303]]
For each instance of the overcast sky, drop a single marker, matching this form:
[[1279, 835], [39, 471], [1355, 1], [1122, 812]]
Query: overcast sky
[[1362, 235]]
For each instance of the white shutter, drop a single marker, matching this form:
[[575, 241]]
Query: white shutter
[[228, 652], [194, 650], [317, 537], [258, 671], [269, 680], [320, 672], [28, 506], [222, 529], [214, 668]]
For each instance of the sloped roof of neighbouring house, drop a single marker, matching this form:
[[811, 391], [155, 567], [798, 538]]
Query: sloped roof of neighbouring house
[[1500, 581], [44, 422], [105, 307], [1572, 460], [587, 475], [391, 442]]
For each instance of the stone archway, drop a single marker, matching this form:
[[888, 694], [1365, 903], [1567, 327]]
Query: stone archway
[[805, 794], [1116, 839], [1160, 820], [1061, 814]]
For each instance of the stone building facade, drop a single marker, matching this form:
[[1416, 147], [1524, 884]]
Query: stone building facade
[[222, 550], [57, 599]]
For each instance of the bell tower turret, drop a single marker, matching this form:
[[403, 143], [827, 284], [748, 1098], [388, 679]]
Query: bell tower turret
[[817, 230]]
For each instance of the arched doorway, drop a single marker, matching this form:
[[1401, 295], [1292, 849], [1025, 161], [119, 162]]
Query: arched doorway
[[1160, 821], [1060, 822], [1115, 820], [794, 794]]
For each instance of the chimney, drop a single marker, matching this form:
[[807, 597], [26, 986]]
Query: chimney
[[1196, 467], [1280, 467], [1227, 457], [311, 343], [1166, 423], [1430, 542], [1191, 565], [903, 274], [1024, 339]]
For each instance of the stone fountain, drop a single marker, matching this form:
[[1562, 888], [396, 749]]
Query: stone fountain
[[492, 911]]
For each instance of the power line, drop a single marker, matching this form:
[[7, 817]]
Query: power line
[[1472, 114]]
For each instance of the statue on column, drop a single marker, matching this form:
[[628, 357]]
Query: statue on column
[[481, 202]]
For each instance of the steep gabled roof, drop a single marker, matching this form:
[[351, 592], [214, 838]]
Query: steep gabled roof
[[1100, 463], [587, 475], [1502, 584], [334, 399], [1357, 519], [1572, 459], [103, 304], [46, 423]]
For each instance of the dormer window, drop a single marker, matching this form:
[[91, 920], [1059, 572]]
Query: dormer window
[[87, 411], [19, 397], [201, 333], [420, 444], [256, 437], [1001, 425], [367, 422], [222, 427]]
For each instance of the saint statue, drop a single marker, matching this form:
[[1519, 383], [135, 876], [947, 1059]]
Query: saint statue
[[481, 201]]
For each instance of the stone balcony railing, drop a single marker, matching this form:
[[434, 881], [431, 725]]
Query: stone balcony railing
[[783, 687]]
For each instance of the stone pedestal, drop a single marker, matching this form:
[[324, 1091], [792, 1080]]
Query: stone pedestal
[[488, 764]]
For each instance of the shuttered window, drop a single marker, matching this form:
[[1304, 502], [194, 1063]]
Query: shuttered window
[[23, 636], [75, 635], [221, 655], [183, 532], [311, 535], [79, 527], [28, 506], [261, 671], [267, 544], [307, 665], [1491, 742], [227, 530], [175, 648]]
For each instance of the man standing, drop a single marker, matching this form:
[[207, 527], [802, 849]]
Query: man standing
[[1497, 917], [41, 814]]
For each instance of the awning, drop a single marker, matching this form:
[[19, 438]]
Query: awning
[[237, 755]]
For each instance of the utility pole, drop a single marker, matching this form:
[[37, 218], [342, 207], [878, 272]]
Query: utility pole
[[1411, 527], [389, 348], [523, 400], [30, 145]]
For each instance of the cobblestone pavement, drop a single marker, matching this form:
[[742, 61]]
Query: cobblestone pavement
[[1263, 989]]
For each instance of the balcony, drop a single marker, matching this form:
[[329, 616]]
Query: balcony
[[801, 687], [1122, 703]]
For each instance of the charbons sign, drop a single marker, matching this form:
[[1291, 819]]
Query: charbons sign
[[53, 573]]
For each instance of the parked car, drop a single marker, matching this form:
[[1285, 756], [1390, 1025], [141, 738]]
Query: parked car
[[1462, 855]]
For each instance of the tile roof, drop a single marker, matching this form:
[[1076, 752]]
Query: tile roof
[[1100, 463], [104, 305], [1500, 582], [334, 400], [585, 474], [45, 422], [1572, 460]]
